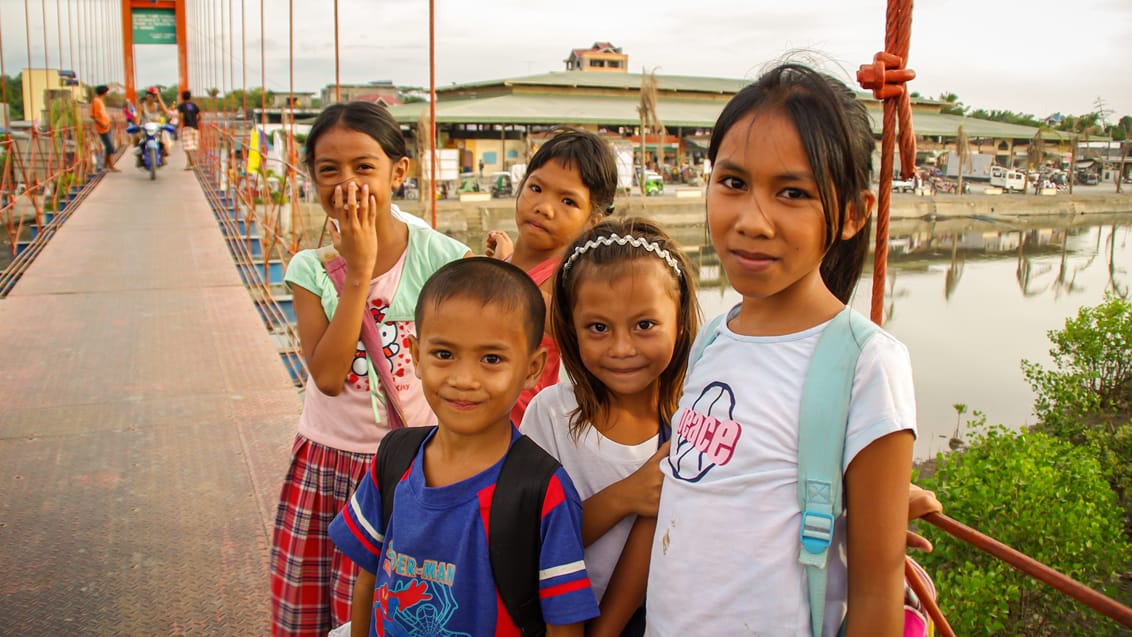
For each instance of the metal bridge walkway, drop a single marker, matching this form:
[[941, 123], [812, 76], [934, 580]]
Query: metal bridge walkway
[[145, 422]]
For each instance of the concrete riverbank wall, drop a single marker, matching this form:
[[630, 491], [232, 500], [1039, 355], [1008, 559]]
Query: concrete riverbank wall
[[480, 216]]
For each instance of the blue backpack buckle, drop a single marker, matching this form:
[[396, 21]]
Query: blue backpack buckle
[[817, 531]]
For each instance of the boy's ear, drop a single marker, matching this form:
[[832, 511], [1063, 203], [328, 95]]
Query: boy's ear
[[535, 365], [857, 214], [414, 351]]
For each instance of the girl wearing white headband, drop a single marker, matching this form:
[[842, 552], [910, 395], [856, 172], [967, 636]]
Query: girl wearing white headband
[[624, 313]]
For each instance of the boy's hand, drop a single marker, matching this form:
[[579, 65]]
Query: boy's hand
[[643, 485], [498, 245]]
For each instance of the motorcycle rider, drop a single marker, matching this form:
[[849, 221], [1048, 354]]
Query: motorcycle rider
[[153, 109]]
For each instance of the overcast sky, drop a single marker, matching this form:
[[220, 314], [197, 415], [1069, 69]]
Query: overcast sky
[[1037, 56]]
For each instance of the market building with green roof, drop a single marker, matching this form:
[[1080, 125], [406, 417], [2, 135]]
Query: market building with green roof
[[501, 121]]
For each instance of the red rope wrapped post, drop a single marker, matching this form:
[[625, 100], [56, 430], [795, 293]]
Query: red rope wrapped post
[[886, 77]]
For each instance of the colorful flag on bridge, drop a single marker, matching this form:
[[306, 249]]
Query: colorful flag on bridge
[[254, 154], [259, 147]]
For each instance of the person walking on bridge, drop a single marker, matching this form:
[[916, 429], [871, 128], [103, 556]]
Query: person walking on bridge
[[189, 128]]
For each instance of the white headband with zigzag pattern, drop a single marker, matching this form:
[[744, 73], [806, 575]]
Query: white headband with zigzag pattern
[[636, 242]]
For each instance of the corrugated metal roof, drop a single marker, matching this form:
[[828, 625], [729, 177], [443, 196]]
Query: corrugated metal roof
[[627, 81], [940, 125], [616, 111], [562, 109], [584, 109]]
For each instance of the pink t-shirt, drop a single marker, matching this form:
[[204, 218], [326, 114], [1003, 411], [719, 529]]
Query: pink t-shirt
[[335, 421]]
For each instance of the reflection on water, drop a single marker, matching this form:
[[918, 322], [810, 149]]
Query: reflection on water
[[971, 298]]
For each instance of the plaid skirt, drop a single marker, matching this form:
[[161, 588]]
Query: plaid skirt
[[311, 582], [190, 138]]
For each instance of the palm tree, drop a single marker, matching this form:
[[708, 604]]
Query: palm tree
[[650, 120], [963, 154], [956, 443]]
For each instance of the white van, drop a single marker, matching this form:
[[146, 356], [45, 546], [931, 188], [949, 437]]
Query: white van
[[1007, 179]]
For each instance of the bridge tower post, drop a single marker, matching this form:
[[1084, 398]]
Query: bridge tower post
[[153, 26]]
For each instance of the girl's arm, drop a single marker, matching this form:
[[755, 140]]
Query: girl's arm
[[626, 590], [164, 108], [637, 494], [329, 345], [877, 494], [361, 606]]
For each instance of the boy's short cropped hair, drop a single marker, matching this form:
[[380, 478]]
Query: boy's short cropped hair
[[489, 281], [186, 95], [101, 89], [590, 155]]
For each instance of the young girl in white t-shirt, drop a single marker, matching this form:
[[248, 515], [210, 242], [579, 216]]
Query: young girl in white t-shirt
[[624, 313], [788, 207]]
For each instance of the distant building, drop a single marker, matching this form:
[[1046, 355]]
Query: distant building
[[500, 121], [283, 100], [35, 82], [601, 57], [379, 92]]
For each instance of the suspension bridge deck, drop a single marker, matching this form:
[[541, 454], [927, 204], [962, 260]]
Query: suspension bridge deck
[[145, 426]]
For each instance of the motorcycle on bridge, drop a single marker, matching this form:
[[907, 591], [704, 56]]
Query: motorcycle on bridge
[[150, 147]]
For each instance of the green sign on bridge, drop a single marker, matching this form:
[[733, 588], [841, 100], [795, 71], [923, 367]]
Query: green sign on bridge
[[154, 26]]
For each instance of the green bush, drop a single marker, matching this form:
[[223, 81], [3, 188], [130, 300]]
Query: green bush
[[1092, 378], [1086, 400], [1044, 497]]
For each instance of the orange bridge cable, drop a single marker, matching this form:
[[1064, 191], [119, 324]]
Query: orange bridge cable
[[1028, 565], [244, 56], [337, 74], [886, 77], [231, 55], [432, 108], [46, 47], [59, 31], [290, 180], [4, 94], [71, 35]]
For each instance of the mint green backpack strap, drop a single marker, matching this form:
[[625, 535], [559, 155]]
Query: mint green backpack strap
[[704, 338], [821, 444]]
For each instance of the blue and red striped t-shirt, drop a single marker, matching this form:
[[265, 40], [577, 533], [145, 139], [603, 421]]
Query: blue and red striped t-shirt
[[432, 566]]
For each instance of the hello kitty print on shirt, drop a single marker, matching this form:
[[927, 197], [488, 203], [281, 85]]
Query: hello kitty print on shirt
[[394, 349]]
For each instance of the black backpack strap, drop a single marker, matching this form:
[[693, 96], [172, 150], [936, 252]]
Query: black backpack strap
[[514, 534], [394, 455]]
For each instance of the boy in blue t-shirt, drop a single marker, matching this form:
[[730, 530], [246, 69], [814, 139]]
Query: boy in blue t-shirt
[[479, 322]]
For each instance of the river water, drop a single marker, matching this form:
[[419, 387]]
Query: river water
[[972, 298]]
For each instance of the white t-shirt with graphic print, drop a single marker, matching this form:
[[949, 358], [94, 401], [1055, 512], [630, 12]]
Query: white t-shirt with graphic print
[[725, 554], [593, 462]]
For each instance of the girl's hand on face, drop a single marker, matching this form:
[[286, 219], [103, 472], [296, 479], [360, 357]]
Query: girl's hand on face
[[335, 235], [356, 211], [643, 485], [498, 245]]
